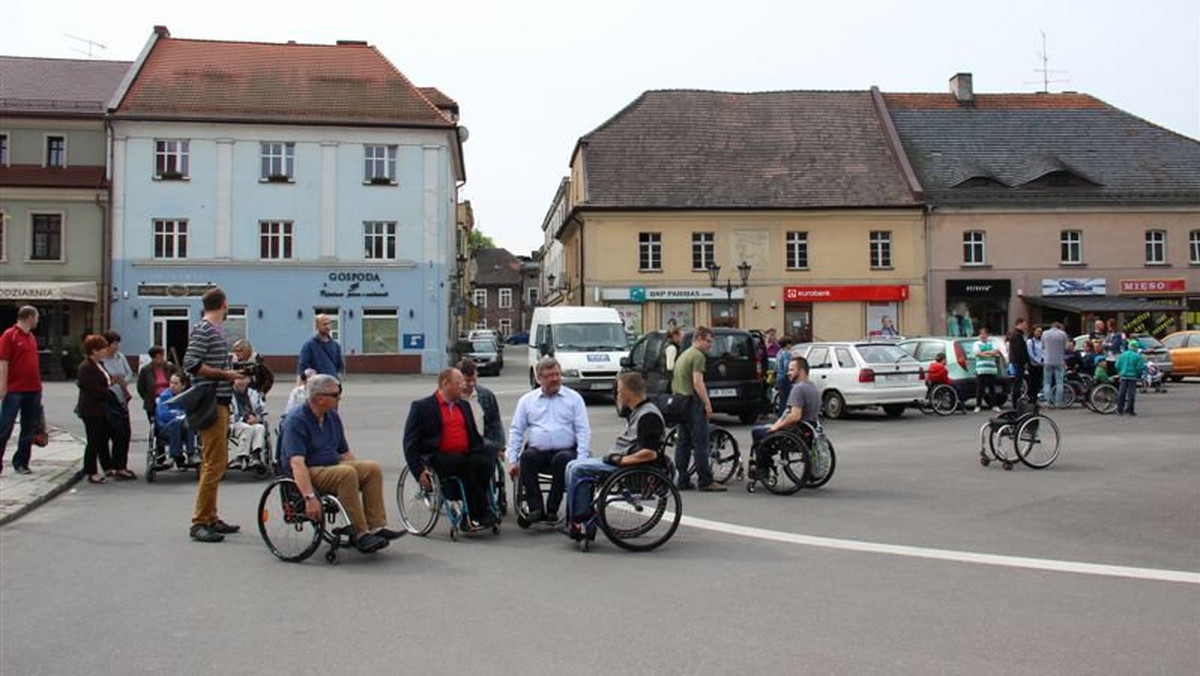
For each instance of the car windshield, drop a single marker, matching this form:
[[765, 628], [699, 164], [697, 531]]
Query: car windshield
[[483, 346], [876, 353], [730, 345], [594, 337], [1149, 342]]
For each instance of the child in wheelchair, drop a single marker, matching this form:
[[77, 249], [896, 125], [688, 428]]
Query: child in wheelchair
[[170, 425], [247, 430]]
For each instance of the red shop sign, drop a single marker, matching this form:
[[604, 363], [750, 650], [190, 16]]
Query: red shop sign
[[1153, 285], [856, 292]]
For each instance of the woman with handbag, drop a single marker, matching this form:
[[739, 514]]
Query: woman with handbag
[[119, 372], [92, 407]]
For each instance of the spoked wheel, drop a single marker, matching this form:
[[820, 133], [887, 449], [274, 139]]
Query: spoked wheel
[[151, 462], [815, 478], [1000, 442], [1037, 442], [723, 453], [1103, 399], [639, 509], [1070, 395], [419, 508], [944, 399], [499, 483], [787, 471], [283, 524]]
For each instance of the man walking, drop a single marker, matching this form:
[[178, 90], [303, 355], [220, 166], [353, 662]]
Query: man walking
[[1130, 366], [20, 387], [321, 353], [1055, 344], [688, 381], [207, 360], [1018, 359]]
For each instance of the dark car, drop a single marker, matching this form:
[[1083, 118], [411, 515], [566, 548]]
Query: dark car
[[518, 338], [735, 374], [484, 352]]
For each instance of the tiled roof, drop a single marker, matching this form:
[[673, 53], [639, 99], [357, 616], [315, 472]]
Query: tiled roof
[[685, 149], [58, 86], [1008, 148], [496, 267], [438, 98], [249, 81], [32, 176]]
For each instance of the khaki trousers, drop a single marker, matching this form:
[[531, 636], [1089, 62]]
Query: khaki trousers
[[358, 485], [214, 442]]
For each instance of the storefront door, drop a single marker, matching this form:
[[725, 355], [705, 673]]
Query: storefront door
[[169, 328], [797, 319], [678, 315]]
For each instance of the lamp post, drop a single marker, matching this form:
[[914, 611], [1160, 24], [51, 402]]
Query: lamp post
[[714, 273]]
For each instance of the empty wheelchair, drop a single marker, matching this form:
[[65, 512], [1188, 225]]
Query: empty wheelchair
[[422, 506], [800, 456], [724, 457], [1022, 435], [637, 508], [291, 534]]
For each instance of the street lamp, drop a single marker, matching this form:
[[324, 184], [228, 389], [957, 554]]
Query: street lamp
[[714, 274]]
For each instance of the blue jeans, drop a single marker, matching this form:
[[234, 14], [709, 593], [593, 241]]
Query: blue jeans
[[1126, 392], [178, 434], [29, 405], [693, 445], [579, 492], [1052, 383]]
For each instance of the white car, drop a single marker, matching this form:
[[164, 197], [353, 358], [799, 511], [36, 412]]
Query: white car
[[864, 374]]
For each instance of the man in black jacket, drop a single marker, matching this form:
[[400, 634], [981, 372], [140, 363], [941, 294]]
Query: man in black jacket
[[440, 433], [1018, 358]]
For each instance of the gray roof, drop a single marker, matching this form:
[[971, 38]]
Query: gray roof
[[1042, 149], [685, 149], [58, 86], [497, 267]]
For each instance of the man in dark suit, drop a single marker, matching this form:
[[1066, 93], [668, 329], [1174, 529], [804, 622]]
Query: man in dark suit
[[440, 433], [484, 407]]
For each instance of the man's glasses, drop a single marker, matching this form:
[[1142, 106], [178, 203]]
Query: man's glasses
[[333, 395]]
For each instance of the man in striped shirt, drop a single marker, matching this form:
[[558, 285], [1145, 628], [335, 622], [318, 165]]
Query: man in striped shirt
[[207, 360]]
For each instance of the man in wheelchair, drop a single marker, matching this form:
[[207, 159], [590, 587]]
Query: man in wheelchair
[[314, 448], [803, 404], [247, 427], [170, 423], [640, 443]]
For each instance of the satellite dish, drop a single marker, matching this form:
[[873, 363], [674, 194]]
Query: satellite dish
[[463, 134]]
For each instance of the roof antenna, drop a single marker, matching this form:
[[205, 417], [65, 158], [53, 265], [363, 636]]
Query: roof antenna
[[90, 44], [1046, 70]]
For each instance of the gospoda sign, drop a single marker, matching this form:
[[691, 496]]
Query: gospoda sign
[[1152, 286]]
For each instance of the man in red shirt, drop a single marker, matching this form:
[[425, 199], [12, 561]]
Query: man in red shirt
[[20, 387], [938, 374]]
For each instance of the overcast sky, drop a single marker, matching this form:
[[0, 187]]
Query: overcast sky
[[531, 77]]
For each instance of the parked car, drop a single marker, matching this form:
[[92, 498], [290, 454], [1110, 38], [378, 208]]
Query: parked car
[[735, 373], [488, 360], [1152, 351], [959, 361], [1184, 351], [518, 338], [863, 375]]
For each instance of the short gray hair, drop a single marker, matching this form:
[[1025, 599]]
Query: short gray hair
[[322, 384], [546, 363]]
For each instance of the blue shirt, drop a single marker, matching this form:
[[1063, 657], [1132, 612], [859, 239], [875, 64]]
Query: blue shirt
[[164, 413], [320, 443], [322, 356], [556, 422]]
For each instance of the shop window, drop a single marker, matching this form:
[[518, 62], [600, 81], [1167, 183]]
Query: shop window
[[170, 238], [235, 324], [702, 250], [1193, 247], [47, 237], [1071, 242], [974, 247], [1156, 247], [797, 250], [171, 159], [881, 249], [725, 314], [380, 331], [278, 162], [650, 251]]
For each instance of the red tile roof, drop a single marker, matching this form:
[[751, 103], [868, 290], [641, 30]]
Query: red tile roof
[[270, 82], [995, 102], [438, 98], [33, 176]]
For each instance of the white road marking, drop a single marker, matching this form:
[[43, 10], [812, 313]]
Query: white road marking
[[1058, 566]]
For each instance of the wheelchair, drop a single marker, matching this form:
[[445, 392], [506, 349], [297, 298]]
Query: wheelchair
[[245, 462], [291, 534], [158, 457], [420, 508], [941, 399], [1022, 435], [638, 508], [801, 456], [723, 455]]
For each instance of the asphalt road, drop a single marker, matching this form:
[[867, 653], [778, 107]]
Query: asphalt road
[[104, 580]]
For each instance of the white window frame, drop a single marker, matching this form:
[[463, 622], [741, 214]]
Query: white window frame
[[974, 247], [881, 249], [62, 238], [46, 149], [480, 325], [174, 241], [277, 235], [704, 247], [796, 241], [379, 235], [5, 149], [533, 294], [279, 155], [480, 298], [385, 161], [650, 250], [176, 150], [335, 320], [504, 301], [1194, 247], [505, 326], [1067, 240], [1161, 244], [375, 313], [237, 312]]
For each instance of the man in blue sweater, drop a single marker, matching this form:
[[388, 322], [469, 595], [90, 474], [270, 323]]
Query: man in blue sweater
[[321, 353]]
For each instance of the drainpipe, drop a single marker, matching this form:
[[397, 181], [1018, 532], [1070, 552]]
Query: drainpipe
[[929, 312], [103, 319]]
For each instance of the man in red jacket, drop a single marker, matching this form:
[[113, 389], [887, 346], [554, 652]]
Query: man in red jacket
[[20, 387]]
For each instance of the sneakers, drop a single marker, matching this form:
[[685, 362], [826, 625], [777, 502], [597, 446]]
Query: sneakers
[[389, 534], [22, 470], [220, 526], [202, 532], [995, 409], [977, 409], [368, 542], [536, 515], [714, 487], [686, 486]]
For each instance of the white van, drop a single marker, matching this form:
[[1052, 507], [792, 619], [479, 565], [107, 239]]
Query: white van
[[588, 342]]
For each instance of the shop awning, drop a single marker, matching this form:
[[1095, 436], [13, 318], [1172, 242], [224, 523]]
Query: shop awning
[[1101, 304], [33, 292]]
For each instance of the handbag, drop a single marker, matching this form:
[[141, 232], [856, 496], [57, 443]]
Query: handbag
[[674, 408], [199, 402]]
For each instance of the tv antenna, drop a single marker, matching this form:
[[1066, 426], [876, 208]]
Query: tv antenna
[[90, 44], [1046, 70]]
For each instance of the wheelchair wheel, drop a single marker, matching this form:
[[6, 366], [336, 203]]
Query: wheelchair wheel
[[723, 454], [499, 482], [1070, 395], [151, 461], [1037, 442], [944, 399], [1103, 399], [1000, 442], [639, 508], [283, 524], [788, 469], [419, 508], [813, 480]]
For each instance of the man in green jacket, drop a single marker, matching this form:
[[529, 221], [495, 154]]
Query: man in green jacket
[[1130, 366]]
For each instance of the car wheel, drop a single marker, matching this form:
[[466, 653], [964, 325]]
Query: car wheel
[[1176, 379], [894, 410], [835, 405], [748, 418]]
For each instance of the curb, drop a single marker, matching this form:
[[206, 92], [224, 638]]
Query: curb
[[67, 479]]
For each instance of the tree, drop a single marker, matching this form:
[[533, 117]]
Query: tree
[[481, 241]]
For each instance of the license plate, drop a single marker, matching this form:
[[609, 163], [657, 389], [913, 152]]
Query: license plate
[[600, 386], [723, 392], [597, 357]]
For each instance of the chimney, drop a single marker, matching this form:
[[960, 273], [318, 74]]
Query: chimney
[[162, 31], [960, 86]]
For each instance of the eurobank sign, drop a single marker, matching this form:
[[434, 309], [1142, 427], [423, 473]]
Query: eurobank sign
[[646, 294]]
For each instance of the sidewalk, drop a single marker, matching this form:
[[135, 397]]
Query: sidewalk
[[54, 469]]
